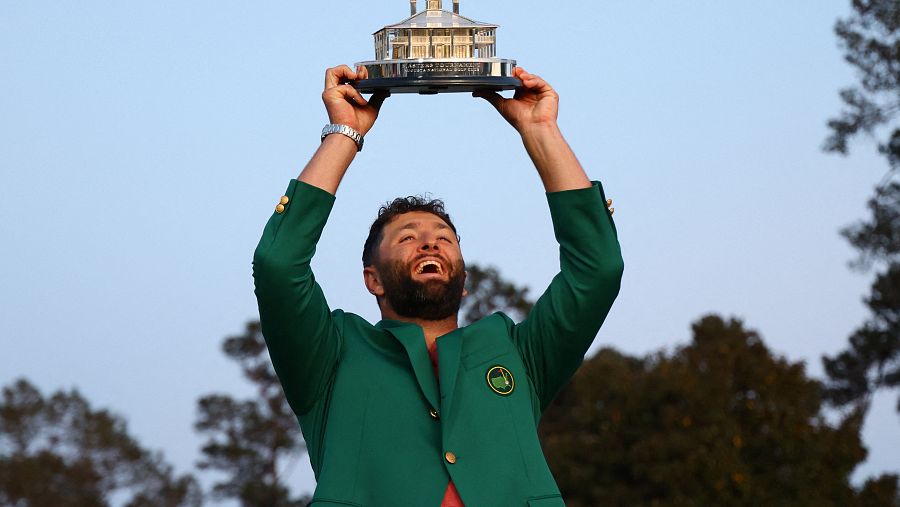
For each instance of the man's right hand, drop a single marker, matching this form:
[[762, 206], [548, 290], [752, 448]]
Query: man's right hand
[[344, 104]]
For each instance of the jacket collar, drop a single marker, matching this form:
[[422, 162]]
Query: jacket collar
[[413, 340], [449, 348]]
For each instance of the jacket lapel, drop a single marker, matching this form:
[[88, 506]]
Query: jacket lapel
[[449, 349], [412, 339]]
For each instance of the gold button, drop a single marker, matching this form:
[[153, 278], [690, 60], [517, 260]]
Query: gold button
[[612, 211], [433, 413], [279, 208], [450, 457], [285, 199], [608, 203]]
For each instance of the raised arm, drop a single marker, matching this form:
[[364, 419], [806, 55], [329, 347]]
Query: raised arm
[[554, 337], [303, 338], [345, 106], [533, 111]]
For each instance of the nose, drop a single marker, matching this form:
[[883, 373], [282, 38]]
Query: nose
[[428, 245]]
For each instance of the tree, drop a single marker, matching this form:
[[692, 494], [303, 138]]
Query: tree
[[489, 292], [720, 421], [872, 360], [60, 452], [252, 441], [870, 38]]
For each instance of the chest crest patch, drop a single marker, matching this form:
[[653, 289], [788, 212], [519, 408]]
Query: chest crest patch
[[500, 380]]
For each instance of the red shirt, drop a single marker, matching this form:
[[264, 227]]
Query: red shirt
[[451, 496]]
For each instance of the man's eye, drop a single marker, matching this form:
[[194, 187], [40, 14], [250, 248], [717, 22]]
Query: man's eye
[[445, 239], [406, 238]]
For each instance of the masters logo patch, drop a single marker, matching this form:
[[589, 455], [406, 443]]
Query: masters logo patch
[[500, 380]]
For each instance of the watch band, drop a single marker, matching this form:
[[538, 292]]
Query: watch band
[[346, 130]]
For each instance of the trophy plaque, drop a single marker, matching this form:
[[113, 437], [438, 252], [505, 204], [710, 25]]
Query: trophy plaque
[[437, 51]]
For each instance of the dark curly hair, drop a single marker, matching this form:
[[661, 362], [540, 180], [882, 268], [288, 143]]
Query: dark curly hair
[[391, 210]]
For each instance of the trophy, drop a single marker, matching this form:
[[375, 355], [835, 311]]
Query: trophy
[[437, 51]]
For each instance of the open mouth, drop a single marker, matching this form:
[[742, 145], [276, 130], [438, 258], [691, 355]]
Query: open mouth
[[429, 266]]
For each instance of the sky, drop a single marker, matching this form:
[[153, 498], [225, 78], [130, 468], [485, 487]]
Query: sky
[[143, 146]]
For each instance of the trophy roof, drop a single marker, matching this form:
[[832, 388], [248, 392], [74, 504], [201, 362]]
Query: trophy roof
[[439, 19]]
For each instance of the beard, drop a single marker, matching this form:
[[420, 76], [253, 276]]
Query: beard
[[429, 300]]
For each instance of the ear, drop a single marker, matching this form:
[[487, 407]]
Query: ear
[[372, 279], [465, 277]]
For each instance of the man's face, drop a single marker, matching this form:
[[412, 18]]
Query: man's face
[[420, 267]]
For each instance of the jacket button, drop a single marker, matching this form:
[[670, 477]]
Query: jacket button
[[284, 200], [279, 208], [434, 414], [450, 457]]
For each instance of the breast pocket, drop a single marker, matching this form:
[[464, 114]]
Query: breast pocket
[[484, 356], [484, 360]]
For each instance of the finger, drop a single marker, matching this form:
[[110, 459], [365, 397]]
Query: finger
[[531, 78], [378, 98], [531, 82], [524, 75], [352, 95], [494, 98], [338, 75], [534, 82], [538, 86], [331, 79], [362, 72]]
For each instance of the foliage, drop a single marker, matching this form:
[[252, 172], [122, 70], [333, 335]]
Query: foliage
[[720, 421], [489, 292], [59, 452], [881, 491], [872, 360], [870, 38], [252, 441]]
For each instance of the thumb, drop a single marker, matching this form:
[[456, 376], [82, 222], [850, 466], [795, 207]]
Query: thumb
[[493, 97], [377, 98]]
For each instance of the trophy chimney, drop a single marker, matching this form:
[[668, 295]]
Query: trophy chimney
[[455, 6], [434, 5], [412, 7]]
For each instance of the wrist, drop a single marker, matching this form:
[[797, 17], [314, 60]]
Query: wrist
[[538, 131], [344, 130], [340, 142]]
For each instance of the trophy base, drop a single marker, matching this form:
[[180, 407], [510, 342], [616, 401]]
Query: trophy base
[[429, 76]]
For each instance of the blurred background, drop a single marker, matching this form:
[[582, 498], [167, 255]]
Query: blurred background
[[143, 146]]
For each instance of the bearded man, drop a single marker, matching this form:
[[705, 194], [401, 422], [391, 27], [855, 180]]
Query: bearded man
[[415, 410]]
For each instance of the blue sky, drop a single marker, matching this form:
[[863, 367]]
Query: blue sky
[[144, 144]]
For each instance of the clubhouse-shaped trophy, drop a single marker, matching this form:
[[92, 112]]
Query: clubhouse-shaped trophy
[[437, 51]]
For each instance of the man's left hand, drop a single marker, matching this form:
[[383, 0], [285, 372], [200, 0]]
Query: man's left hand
[[534, 104]]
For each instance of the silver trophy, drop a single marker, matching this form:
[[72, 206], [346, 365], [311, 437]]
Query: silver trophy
[[437, 51]]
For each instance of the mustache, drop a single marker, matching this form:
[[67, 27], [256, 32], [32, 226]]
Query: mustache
[[430, 299]]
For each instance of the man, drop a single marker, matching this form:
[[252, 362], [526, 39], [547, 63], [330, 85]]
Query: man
[[384, 425]]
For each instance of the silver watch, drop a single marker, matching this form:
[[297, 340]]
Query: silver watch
[[348, 131]]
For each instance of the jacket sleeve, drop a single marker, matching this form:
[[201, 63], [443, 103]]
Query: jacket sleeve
[[554, 337], [303, 339]]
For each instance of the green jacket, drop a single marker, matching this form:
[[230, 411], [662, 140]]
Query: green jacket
[[379, 429]]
